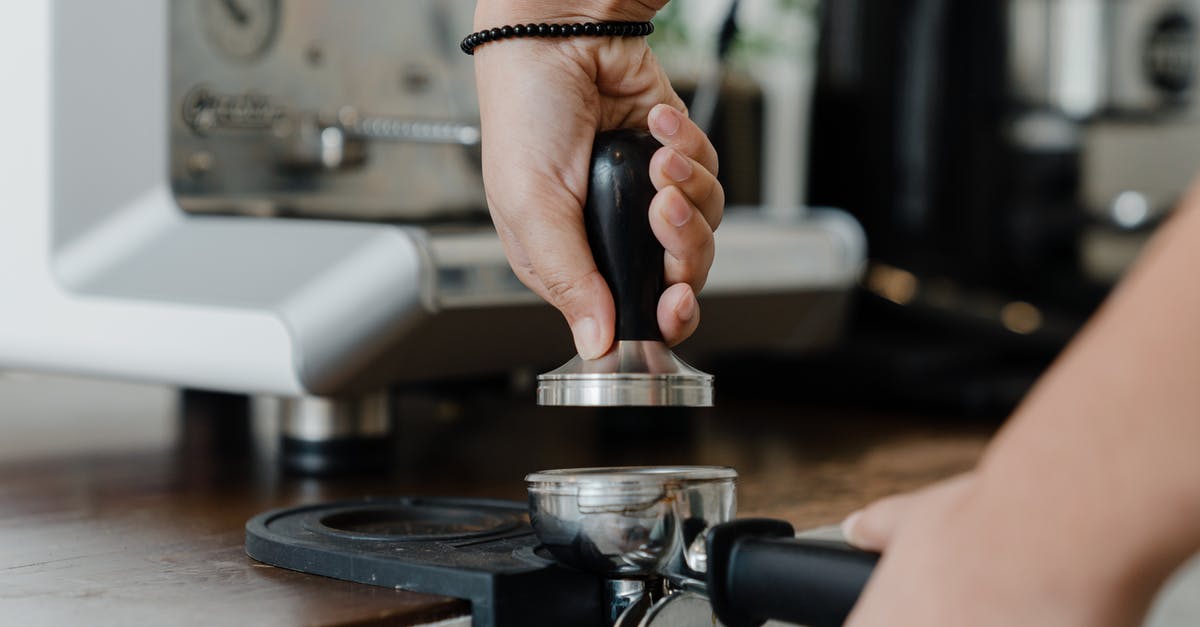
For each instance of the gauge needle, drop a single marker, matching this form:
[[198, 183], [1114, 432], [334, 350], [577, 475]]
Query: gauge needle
[[238, 13]]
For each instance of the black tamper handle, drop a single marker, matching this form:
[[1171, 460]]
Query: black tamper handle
[[617, 219], [758, 571]]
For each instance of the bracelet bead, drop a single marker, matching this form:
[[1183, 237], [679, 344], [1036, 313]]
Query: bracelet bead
[[584, 29]]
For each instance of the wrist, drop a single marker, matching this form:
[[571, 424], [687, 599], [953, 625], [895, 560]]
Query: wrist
[[495, 13]]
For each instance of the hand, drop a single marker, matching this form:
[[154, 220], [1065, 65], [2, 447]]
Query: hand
[[947, 560], [541, 104]]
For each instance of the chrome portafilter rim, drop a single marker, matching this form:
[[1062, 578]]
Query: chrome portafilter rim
[[619, 478]]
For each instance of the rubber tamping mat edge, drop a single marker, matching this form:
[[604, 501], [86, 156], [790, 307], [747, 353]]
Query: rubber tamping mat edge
[[505, 582]]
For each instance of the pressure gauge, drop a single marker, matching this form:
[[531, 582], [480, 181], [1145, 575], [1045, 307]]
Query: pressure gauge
[[241, 28]]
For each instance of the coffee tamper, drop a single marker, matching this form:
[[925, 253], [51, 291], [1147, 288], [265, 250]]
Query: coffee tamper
[[639, 369]]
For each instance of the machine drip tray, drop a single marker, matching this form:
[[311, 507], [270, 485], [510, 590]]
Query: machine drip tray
[[480, 550]]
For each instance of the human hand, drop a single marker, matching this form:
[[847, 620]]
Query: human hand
[[950, 559], [541, 104]]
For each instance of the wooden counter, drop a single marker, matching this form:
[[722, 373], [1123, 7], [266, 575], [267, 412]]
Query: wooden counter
[[155, 536]]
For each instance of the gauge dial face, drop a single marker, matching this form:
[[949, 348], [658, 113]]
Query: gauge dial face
[[241, 28]]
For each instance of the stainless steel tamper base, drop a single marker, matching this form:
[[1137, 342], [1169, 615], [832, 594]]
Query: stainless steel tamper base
[[633, 373]]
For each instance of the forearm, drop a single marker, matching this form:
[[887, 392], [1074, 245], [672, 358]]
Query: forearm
[[1105, 452]]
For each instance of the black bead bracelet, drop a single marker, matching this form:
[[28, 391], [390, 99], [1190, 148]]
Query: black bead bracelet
[[586, 29]]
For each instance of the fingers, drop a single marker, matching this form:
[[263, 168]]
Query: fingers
[[673, 129], [688, 207], [588, 309], [873, 527], [688, 244], [670, 167], [685, 236], [678, 313]]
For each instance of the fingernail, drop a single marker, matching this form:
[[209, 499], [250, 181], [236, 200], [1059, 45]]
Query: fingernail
[[678, 167], [686, 309], [850, 527], [665, 120], [676, 211], [587, 338]]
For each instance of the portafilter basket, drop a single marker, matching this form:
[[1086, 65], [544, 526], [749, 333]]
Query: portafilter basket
[[633, 522]]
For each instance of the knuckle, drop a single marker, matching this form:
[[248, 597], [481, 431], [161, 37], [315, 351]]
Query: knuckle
[[694, 142], [709, 248], [526, 276], [699, 279], [708, 187], [564, 290], [692, 270], [717, 207], [681, 106]]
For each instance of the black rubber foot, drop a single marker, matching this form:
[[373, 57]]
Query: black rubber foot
[[336, 457]]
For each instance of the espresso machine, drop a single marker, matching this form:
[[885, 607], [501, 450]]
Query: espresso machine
[[283, 198]]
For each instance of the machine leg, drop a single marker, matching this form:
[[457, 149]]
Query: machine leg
[[322, 436]]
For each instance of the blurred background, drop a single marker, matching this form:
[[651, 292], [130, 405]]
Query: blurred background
[[259, 226], [1007, 160]]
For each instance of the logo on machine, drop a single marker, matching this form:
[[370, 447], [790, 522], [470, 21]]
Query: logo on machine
[[1170, 54]]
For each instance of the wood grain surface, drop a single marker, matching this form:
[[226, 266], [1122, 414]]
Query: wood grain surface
[[155, 536]]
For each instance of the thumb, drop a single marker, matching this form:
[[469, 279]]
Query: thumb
[[873, 527], [575, 287], [571, 282]]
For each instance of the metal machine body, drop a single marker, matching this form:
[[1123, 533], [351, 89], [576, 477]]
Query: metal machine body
[[362, 110], [137, 244]]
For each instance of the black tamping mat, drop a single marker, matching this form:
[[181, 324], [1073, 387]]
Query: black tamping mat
[[481, 550]]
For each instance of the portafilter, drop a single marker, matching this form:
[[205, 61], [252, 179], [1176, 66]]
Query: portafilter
[[672, 530], [639, 369]]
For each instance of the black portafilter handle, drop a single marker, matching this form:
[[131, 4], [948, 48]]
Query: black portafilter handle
[[758, 571], [617, 219]]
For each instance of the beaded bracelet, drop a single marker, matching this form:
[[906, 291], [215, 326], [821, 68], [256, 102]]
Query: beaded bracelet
[[585, 29]]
